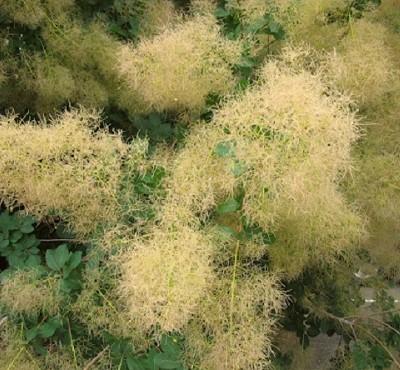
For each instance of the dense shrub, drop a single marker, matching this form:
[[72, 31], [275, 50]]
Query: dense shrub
[[179, 68], [198, 184], [72, 165]]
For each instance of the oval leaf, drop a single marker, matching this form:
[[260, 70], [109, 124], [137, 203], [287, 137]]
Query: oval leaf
[[229, 206], [57, 258]]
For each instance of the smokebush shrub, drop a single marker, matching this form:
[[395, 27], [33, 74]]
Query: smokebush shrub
[[203, 184]]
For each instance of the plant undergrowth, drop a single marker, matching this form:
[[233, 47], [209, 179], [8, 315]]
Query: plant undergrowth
[[205, 184]]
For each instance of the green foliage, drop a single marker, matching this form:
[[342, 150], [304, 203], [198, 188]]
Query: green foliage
[[356, 8], [38, 335], [255, 232], [149, 183], [234, 27], [125, 18], [52, 60], [368, 355], [267, 25], [229, 206], [155, 127], [168, 356], [141, 188], [68, 265], [318, 296], [18, 242], [163, 357], [225, 149]]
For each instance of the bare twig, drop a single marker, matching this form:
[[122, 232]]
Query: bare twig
[[95, 359], [385, 324], [372, 314], [72, 344], [3, 321], [78, 241], [377, 340], [354, 322]]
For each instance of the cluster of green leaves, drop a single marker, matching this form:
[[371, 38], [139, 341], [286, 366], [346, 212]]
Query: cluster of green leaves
[[232, 22], [371, 350], [66, 264], [123, 16], [149, 183], [141, 187], [18, 243], [226, 150], [327, 302], [332, 295], [234, 27], [40, 334], [367, 355], [155, 126], [20, 246], [353, 10], [166, 356]]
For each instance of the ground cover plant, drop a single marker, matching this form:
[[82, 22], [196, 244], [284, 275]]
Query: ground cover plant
[[205, 184]]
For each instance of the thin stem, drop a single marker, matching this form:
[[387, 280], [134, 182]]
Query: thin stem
[[376, 339], [233, 288], [32, 359], [3, 320], [372, 314], [386, 325], [371, 335], [11, 365], [72, 344], [95, 359], [79, 241]]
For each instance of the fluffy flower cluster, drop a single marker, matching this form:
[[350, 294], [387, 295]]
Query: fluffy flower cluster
[[287, 144], [178, 69], [69, 167]]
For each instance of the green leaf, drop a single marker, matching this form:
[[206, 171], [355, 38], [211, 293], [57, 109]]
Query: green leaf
[[229, 206], [38, 347], [380, 357], [360, 357], [118, 30], [57, 258], [8, 222], [71, 283], [74, 261], [170, 345], [268, 238], [238, 168], [163, 361], [133, 364], [27, 228], [258, 24], [276, 30], [33, 261], [246, 62], [48, 329], [4, 243], [136, 364], [225, 149], [228, 231], [15, 236], [31, 333], [29, 241], [221, 13], [16, 260]]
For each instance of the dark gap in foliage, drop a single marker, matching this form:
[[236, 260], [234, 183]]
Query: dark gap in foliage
[[157, 127], [182, 4]]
